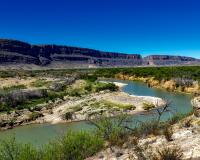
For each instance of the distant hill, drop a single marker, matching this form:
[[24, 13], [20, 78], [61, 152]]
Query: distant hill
[[17, 54]]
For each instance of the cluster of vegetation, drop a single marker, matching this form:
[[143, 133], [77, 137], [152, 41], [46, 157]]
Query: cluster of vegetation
[[12, 88], [21, 102], [111, 105], [190, 72], [148, 106], [44, 73], [72, 146], [159, 73], [40, 83], [80, 145], [167, 153], [90, 87]]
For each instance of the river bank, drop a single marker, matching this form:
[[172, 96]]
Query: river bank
[[40, 134], [187, 86], [107, 104], [72, 109], [183, 140]]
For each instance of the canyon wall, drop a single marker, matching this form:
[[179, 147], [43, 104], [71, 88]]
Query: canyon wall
[[169, 60], [14, 53]]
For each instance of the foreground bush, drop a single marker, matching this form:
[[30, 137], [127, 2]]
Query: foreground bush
[[114, 130], [73, 146], [173, 153], [10, 150]]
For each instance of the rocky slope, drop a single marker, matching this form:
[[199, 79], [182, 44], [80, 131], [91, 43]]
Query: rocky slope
[[17, 54], [185, 138], [169, 60]]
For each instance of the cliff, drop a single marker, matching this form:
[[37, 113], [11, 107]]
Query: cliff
[[170, 60], [16, 53], [12, 51]]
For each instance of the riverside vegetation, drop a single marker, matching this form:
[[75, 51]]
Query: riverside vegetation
[[111, 138], [109, 134], [24, 103]]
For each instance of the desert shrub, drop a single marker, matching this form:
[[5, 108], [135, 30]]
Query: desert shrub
[[34, 116], [149, 127], [173, 153], [6, 74], [40, 83], [159, 73], [109, 104], [187, 123], [88, 87], [68, 115], [73, 146], [18, 97], [175, 118], [11, 150], [75, 93], [4, 107], [54, 95], [30, 104], [148, 106], [14, 87], [112, 130], [99, 86], [90, 78], [168, 133]]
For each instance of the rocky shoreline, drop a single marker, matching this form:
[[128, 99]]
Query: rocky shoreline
[[187, 86], [101, 103], [72, 109], [184, 137]]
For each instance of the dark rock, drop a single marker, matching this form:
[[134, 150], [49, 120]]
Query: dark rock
[[169, 60], [16, 52], [12, 51]]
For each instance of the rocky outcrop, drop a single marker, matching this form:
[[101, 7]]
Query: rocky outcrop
[[12, 51], [169, 60]]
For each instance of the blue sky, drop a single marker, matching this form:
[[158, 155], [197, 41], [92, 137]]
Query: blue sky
[[129, 26]]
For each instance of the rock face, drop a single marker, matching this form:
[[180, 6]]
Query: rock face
[[13, 52], [169, 60]]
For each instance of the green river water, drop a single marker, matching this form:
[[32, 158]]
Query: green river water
[[39, 134]]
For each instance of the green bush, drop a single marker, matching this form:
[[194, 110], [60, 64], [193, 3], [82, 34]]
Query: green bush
[[159, 73], [14, 87], [149, 127], [73, 146], [177, 117], [34, 116], [148, 106], [40, 83], [99, 86], [112, 130], [11, 150]]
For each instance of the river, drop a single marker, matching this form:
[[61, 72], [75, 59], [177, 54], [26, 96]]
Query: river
[[38, 134]]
